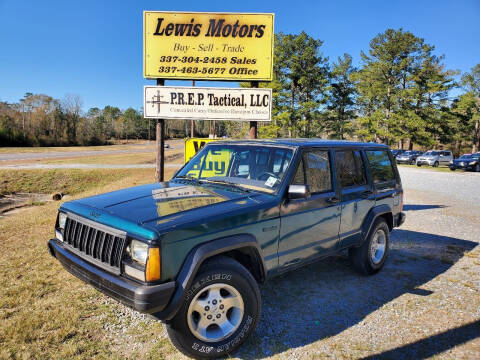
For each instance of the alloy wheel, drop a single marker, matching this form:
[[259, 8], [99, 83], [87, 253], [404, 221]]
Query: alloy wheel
[[215, 312]]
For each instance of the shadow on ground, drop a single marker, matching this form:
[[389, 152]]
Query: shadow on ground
[[422, 207], [328, 297], [433, 345]]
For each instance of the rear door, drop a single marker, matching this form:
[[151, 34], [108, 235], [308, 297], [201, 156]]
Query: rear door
[[309, 227], [384, 177], [356, 194], [445, 157]]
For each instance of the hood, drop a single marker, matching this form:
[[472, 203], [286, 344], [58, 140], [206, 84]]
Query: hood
[[465, 161], [153, 202]]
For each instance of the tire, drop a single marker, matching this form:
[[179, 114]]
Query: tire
[[419, 164], [477, 168], [453, 169], [363, 259], [220, 278], [435, 164], [412, 162]]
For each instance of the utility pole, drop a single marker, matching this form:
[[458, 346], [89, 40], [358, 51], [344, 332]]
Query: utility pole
[[160, 145], [253, 124]]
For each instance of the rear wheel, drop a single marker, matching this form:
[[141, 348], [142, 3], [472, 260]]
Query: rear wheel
[[419, 164], [219, 312], [369, 258], [453, 169]]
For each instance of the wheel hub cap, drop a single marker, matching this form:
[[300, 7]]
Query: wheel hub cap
[[215, 312], [377, 246]]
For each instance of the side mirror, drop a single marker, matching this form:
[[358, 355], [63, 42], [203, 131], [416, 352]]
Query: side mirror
[[298, 192]]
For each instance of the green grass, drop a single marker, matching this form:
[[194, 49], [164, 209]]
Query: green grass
[[441, 168], [68, 181]]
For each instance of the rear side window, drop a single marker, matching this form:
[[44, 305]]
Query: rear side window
[[349, 167], [314, 171], [380, 166]]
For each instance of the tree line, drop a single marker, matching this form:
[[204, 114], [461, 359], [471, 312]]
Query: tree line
[[400, 95]]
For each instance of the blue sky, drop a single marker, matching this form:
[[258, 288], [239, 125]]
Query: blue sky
[[94, 48]]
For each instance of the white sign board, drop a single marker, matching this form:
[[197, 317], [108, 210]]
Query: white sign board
[[204, 103]]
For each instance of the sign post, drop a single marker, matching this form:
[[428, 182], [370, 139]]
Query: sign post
[[160, 145], [253, 124]]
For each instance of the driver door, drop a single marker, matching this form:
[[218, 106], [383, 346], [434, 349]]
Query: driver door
[[309, 227]]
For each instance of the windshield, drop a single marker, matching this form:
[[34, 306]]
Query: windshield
[[254, 167], [431, 153], [465, 156], [406, 153]]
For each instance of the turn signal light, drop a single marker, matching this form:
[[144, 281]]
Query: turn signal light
[[152, 270]]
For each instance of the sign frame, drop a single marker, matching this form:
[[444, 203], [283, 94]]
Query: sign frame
[[190, 76], [205, 116]]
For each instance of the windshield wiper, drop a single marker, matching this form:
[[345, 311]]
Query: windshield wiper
[[188, 177], [229, 183]]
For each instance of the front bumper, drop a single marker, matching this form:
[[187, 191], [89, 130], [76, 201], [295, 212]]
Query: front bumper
[[143, 298], [461, 167], [404, 161], [425, 162]]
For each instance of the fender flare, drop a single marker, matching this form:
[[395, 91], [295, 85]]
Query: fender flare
[[194, 260], [372, 215]]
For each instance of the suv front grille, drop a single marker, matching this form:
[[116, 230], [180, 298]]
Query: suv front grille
[[92, 241]]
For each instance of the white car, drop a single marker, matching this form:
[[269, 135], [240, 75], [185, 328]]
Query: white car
[[435, 158]]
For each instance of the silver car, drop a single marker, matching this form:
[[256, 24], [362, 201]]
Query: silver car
[[435, 158]]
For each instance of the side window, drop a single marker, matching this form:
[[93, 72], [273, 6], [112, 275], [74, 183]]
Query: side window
[[349, 167], [317, 171], [380, 165]]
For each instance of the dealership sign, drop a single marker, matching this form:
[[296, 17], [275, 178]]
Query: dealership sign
[[213, 46], [203, 103]]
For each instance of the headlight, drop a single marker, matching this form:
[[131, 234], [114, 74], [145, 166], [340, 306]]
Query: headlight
[[451, 161], [138, 251], [62, 219], [471, 163]]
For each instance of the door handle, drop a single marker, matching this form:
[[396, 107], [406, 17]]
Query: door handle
[[333, 200]]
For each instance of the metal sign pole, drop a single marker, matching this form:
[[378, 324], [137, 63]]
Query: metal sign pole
[[160, 145], [192, 124], [253, 124]]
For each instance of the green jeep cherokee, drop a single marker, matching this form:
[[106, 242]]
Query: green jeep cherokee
[[192, 251]]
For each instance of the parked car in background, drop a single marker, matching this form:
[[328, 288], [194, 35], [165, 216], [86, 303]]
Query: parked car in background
[[397, 152], [466, 162], [435, 158], [408, 157]]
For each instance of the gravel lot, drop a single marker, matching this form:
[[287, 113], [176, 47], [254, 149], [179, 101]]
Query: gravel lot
[[425, 303]]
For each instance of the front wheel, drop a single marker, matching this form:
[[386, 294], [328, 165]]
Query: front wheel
[[435, 164], [220, 310], [477, 168], [370, 258], [412, 162]]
